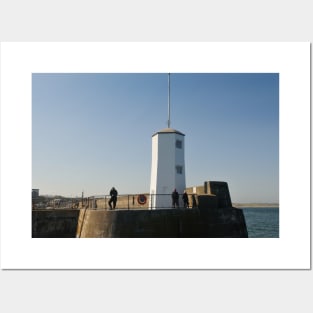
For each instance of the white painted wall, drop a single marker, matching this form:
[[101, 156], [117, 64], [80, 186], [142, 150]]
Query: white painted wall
[[165, 158]]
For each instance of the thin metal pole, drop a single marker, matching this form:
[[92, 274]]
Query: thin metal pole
[[169, 102]]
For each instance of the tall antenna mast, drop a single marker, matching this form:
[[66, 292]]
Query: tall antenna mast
[[169, 103]]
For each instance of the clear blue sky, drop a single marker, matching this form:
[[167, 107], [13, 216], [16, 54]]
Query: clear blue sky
[[93, 131]]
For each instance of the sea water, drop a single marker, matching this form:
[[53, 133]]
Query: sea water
[[262, 222]]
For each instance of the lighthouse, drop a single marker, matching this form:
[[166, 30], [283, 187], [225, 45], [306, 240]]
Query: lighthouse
[[167, 165]]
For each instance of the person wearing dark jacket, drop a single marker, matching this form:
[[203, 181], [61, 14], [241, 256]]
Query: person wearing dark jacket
[[185, 200], [175, 198], [113, 194]]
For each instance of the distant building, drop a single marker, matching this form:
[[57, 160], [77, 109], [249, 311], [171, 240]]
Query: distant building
[[35, 193]]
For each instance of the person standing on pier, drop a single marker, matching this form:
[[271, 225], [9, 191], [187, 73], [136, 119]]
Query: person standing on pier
[[185, 200], [113, 194], [175, 197]]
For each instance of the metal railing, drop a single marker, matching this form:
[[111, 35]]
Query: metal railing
[[143, 201], [136, 202]]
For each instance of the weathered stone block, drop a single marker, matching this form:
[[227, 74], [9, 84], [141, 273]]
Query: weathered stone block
[[207, 201], [220, 189]]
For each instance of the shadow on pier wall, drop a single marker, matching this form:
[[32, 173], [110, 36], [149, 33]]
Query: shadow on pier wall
[[54, 223]]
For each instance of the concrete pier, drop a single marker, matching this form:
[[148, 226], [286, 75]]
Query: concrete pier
[[211, 216], [164, 223]]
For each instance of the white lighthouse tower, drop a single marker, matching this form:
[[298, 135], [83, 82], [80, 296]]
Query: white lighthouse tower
[[168, 164]]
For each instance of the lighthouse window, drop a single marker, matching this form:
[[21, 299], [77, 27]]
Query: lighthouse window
[[179, 144], [179, 169]]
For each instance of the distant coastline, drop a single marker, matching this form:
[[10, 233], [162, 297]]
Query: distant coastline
[[256, 205]]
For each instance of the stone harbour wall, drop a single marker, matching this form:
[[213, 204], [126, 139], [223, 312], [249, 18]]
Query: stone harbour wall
[[165, 223], [55, 223], [211, 216]]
